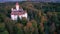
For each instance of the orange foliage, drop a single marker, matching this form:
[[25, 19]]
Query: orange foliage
[[55, 32], [42, 27], [19, 25], [42, 19], [29, 24], [39, 13]]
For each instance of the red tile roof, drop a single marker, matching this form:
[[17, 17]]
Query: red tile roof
[[17, 13]]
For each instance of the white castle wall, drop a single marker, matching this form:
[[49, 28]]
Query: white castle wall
[[24, 15], [14, 17]]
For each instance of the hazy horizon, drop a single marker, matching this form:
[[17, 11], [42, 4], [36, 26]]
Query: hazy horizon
[[31, 0]]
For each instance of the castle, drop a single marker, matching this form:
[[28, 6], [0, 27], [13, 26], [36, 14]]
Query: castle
[[18, 12]]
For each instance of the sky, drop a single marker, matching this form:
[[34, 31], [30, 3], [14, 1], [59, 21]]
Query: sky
[[10, 0], [32, 0]]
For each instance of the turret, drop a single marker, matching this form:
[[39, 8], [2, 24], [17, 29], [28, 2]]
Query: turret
[[17, 6]]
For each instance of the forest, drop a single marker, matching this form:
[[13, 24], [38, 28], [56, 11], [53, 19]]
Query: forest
[[44, 18]]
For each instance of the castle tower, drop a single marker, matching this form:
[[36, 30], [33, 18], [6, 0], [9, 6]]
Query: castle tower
[[17, 6], [18, 12]]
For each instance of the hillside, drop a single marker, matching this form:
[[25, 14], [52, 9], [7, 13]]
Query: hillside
[[44, 18]]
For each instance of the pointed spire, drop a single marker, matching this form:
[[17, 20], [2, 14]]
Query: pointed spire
[[17, 6], [17, 3]]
